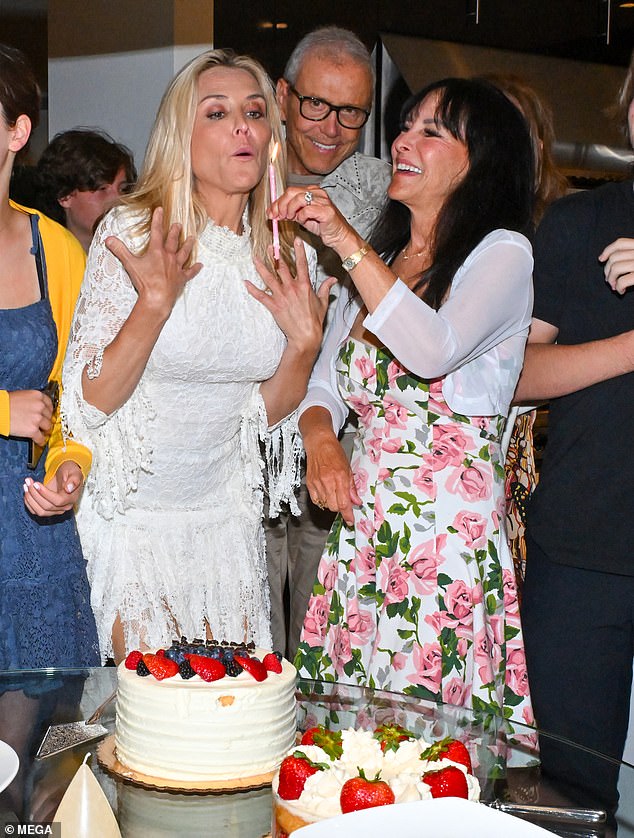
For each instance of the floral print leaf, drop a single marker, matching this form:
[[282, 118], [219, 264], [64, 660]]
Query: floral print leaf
[[395, 609], [405, 544], [385, 533], [484, 453], [397, 509]]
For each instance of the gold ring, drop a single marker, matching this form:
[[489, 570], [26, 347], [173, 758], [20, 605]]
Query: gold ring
[[321, 503]]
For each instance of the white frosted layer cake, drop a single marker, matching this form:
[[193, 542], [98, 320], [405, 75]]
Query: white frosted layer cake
[[195, 730]]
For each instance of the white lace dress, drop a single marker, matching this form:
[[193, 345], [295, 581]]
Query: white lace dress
[[170, 520]]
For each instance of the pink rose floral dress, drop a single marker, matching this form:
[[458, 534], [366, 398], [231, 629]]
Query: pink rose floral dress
[[419, 597]]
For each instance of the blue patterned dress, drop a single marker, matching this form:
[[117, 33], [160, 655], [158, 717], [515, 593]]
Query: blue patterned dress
[[45, 614]]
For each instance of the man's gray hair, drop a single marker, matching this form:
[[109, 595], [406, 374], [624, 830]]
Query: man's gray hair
[[329, 42]]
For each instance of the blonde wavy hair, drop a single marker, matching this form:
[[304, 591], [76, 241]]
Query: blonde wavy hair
[[167, 180]]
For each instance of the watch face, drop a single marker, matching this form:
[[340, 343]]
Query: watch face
[[350, 261]]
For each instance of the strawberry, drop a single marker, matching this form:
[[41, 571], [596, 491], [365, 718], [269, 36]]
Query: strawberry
[[253, 667], [361, 793], [328, 740], [449, 748], [272, 663], [132, 660], [209, 669], [160, 667], [390, 736], [294, 771], [447, 782]]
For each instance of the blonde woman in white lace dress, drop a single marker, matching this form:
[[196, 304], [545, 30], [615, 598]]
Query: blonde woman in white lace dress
[[187, 350]]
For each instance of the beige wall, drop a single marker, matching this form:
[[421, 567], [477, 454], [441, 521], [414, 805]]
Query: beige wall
[[111, 60]]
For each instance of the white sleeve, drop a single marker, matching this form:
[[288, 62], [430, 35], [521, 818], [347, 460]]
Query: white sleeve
[[322, 387], [118, 441], [490, 300]]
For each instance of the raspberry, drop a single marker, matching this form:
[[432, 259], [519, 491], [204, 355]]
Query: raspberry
[[272, 663], [133, 659]]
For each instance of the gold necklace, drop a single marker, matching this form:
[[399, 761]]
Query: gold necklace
[[406, 258]]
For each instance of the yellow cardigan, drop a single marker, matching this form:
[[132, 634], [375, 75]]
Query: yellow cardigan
[[65, 263]]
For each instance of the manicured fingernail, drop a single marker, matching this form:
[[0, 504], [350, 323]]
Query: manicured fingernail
[[37, 486], [25, 488], [70, 487]]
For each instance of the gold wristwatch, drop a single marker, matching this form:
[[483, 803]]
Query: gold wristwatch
[[353, 260]]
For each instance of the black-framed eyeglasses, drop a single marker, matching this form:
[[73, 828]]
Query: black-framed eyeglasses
[[318, 109]]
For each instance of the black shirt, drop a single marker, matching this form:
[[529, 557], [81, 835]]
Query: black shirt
[[582, 512]]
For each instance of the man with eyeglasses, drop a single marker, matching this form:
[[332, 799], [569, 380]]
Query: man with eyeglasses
[[325, 98]]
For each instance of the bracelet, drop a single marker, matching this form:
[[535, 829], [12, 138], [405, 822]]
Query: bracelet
[[353, 260]]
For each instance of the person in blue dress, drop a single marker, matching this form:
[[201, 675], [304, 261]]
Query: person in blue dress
[[45, 614]]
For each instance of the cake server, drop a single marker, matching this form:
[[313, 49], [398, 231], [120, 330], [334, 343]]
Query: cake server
[[70, 734], [550, 813]]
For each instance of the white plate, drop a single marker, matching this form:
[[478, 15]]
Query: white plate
[[9, 764], [445, 817]]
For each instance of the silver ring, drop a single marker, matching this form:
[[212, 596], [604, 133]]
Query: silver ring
[[308, 197]]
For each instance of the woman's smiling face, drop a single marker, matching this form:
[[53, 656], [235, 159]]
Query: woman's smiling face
[[428, 162]]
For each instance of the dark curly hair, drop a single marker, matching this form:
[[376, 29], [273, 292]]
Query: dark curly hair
[[84, 159]]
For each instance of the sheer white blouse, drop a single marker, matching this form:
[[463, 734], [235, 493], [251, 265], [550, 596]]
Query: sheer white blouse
[[475, 340]]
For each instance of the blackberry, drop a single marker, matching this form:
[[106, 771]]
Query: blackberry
[[141, 669], [233, 668], [185, 670], [278, 655]]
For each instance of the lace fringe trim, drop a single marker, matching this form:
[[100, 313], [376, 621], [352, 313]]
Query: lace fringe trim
[[283, 451], [119, 447]]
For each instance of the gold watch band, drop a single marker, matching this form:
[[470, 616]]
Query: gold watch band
[[353, 260]]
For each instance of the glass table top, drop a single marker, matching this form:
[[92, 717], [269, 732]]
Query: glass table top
[[506, 763]]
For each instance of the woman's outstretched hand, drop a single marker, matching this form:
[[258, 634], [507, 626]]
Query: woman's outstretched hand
[[158, 275], [313, 209], [56, 496], [297, 309]]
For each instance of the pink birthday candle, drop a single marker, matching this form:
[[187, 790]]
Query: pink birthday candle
[[273, 189]]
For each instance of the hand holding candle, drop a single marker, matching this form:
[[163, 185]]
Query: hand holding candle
[[273, 190]]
